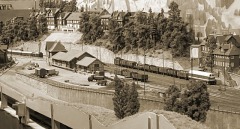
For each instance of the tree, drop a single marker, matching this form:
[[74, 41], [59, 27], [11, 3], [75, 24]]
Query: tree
[[116, 35], [208, 59], [97, 30], [70, 6], [33, 32], [173, 93], [125, 99], [195, 101], [42, 24], [133, 103], [120, 98]]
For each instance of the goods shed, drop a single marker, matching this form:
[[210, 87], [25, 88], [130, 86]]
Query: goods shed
[[68, 60], [90, 64]]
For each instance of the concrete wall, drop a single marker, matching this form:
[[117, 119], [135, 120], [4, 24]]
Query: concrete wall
[[83, 95], [7, 121], [217, 119]]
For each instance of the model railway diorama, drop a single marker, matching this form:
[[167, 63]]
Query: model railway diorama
[[182, 74]]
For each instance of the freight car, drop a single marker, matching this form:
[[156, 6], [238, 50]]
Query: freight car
[[153, 69], [140, 77], [126, 73]]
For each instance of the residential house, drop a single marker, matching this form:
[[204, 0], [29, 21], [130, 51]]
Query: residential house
[[68, 60], [62, 20], [122, 17], [53, 47], [227, 54], [3, 53], [73, 21], [105, 16], [51, 15], [90, 64]]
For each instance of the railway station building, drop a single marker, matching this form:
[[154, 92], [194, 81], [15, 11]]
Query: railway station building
[[69, 59]]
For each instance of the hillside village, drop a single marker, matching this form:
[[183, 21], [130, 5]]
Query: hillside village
[[77, 47]]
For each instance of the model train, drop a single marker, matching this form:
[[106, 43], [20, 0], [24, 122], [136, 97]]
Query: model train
[[182, 74], [25, 53]]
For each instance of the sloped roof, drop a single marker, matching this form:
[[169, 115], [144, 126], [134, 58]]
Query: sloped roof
[[86, 61], [54, 10], [6, 15], [74, 16], [49, 45], [64, 15], [230, 52], [70, 55], [57, 47], [59, 56], [221, 38]]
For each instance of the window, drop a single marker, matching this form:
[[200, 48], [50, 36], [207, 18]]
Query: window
[[232, 64]]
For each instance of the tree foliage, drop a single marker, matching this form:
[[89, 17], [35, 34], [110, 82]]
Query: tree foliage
[[19, 29], [194, 101], [90, 26], [65, 6], [208, 59], [125, 99]]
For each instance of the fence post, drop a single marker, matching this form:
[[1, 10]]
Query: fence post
[[90, 122], [157, 121], [3, 100], [149, 122]]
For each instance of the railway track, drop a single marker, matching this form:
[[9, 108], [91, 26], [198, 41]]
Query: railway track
[[229, 99]]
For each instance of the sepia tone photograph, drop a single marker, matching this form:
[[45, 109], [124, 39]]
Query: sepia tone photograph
[[119, 64]]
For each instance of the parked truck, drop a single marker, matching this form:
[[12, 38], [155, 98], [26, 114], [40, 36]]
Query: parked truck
[[52, 72], [95, 77]]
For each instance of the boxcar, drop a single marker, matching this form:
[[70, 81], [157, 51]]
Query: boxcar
[[153, 68], [123, 62], [172, 72], [139, 76], [146, 67], [118, 72], [139, 66], [126, 73], [162, 70], [182, 74], [131, 64], [117, 61]]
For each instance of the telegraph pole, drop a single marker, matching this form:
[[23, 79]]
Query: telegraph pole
[[144, 71]]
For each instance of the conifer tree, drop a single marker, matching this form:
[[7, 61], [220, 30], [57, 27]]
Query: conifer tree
[[133, 102], [118, 100]]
